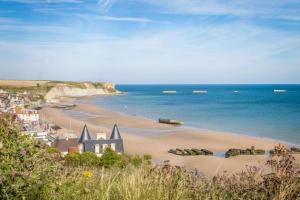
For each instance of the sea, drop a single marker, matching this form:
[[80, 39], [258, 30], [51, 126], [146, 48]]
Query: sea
[[254, 110]]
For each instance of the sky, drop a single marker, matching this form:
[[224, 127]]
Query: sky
[[151, 41]]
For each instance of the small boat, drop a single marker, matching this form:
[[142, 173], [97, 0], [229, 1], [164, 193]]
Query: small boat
[[279, 91], [169, 92], [236, 91], [199, 91], [170, 121]]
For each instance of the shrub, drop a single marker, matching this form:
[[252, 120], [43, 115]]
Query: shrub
[[25, 164], [73, 159], [147, 158], [52, 150], [136, 161], [89, 159], [28, 171], [110, 158]]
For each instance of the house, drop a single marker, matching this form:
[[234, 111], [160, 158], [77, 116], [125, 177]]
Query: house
[[27, 115], [86, 144], [42, 136]]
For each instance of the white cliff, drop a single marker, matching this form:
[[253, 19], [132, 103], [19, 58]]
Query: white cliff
[[64, 90]]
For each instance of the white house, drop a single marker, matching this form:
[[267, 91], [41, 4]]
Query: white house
[[28, 115]]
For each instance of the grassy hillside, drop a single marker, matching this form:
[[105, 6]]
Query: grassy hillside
[[31, 170], [42, 87]]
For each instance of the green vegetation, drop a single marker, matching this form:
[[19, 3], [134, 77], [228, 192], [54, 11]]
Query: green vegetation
[[31, 170], [67, 83], [98, 84], [39, 90], [109, 159]]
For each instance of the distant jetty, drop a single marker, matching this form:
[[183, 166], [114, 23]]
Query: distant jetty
[[169, 92], [170, 121], [279, 91], [199, 91]]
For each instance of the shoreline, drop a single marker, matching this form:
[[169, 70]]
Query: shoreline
[[88, 101], [159, 144]]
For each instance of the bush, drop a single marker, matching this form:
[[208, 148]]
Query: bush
[[85, 159], [136, 161], [29, 171], [73, 159], [110, 158], [52, 150], [90, 159], [25, 164], [147, 159]]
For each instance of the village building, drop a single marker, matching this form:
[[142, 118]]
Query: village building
[[86, 144], [27, 115]]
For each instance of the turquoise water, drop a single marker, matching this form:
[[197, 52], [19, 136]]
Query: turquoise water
[[253, 110]]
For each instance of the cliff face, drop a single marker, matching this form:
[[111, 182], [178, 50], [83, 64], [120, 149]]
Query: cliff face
[[88, 89]]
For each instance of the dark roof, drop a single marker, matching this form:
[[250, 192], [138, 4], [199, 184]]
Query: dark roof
[[63, 144], [85, 135], [115, 135]]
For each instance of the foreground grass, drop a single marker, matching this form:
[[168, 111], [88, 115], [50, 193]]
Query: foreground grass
[[29, 170]]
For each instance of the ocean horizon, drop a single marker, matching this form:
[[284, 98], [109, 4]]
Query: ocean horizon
[[248, 109]]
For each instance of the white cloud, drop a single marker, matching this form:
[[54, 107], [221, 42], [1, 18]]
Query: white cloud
[[114, 18], [190, 55], [200, 52]]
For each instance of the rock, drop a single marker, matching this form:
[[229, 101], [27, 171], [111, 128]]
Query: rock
[[197, 151], [190, 152], [207, 152], [295, 150], [260, 152], [232, 152]]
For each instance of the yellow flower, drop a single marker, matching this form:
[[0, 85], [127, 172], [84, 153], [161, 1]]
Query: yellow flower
[[87, 174]]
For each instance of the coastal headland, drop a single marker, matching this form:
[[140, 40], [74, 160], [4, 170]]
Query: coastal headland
[[145, 136], [53, 91]]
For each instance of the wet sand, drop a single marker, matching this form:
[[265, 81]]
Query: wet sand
[[145, 136]]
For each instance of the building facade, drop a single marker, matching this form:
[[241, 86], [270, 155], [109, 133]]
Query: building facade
[[86, 144], [27, 115]]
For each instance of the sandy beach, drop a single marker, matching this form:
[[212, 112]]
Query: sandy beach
[[145, 136]]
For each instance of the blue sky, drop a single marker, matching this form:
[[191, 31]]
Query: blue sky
[[151, 41]]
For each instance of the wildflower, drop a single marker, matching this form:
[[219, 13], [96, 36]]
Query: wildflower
[[87, 174]]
